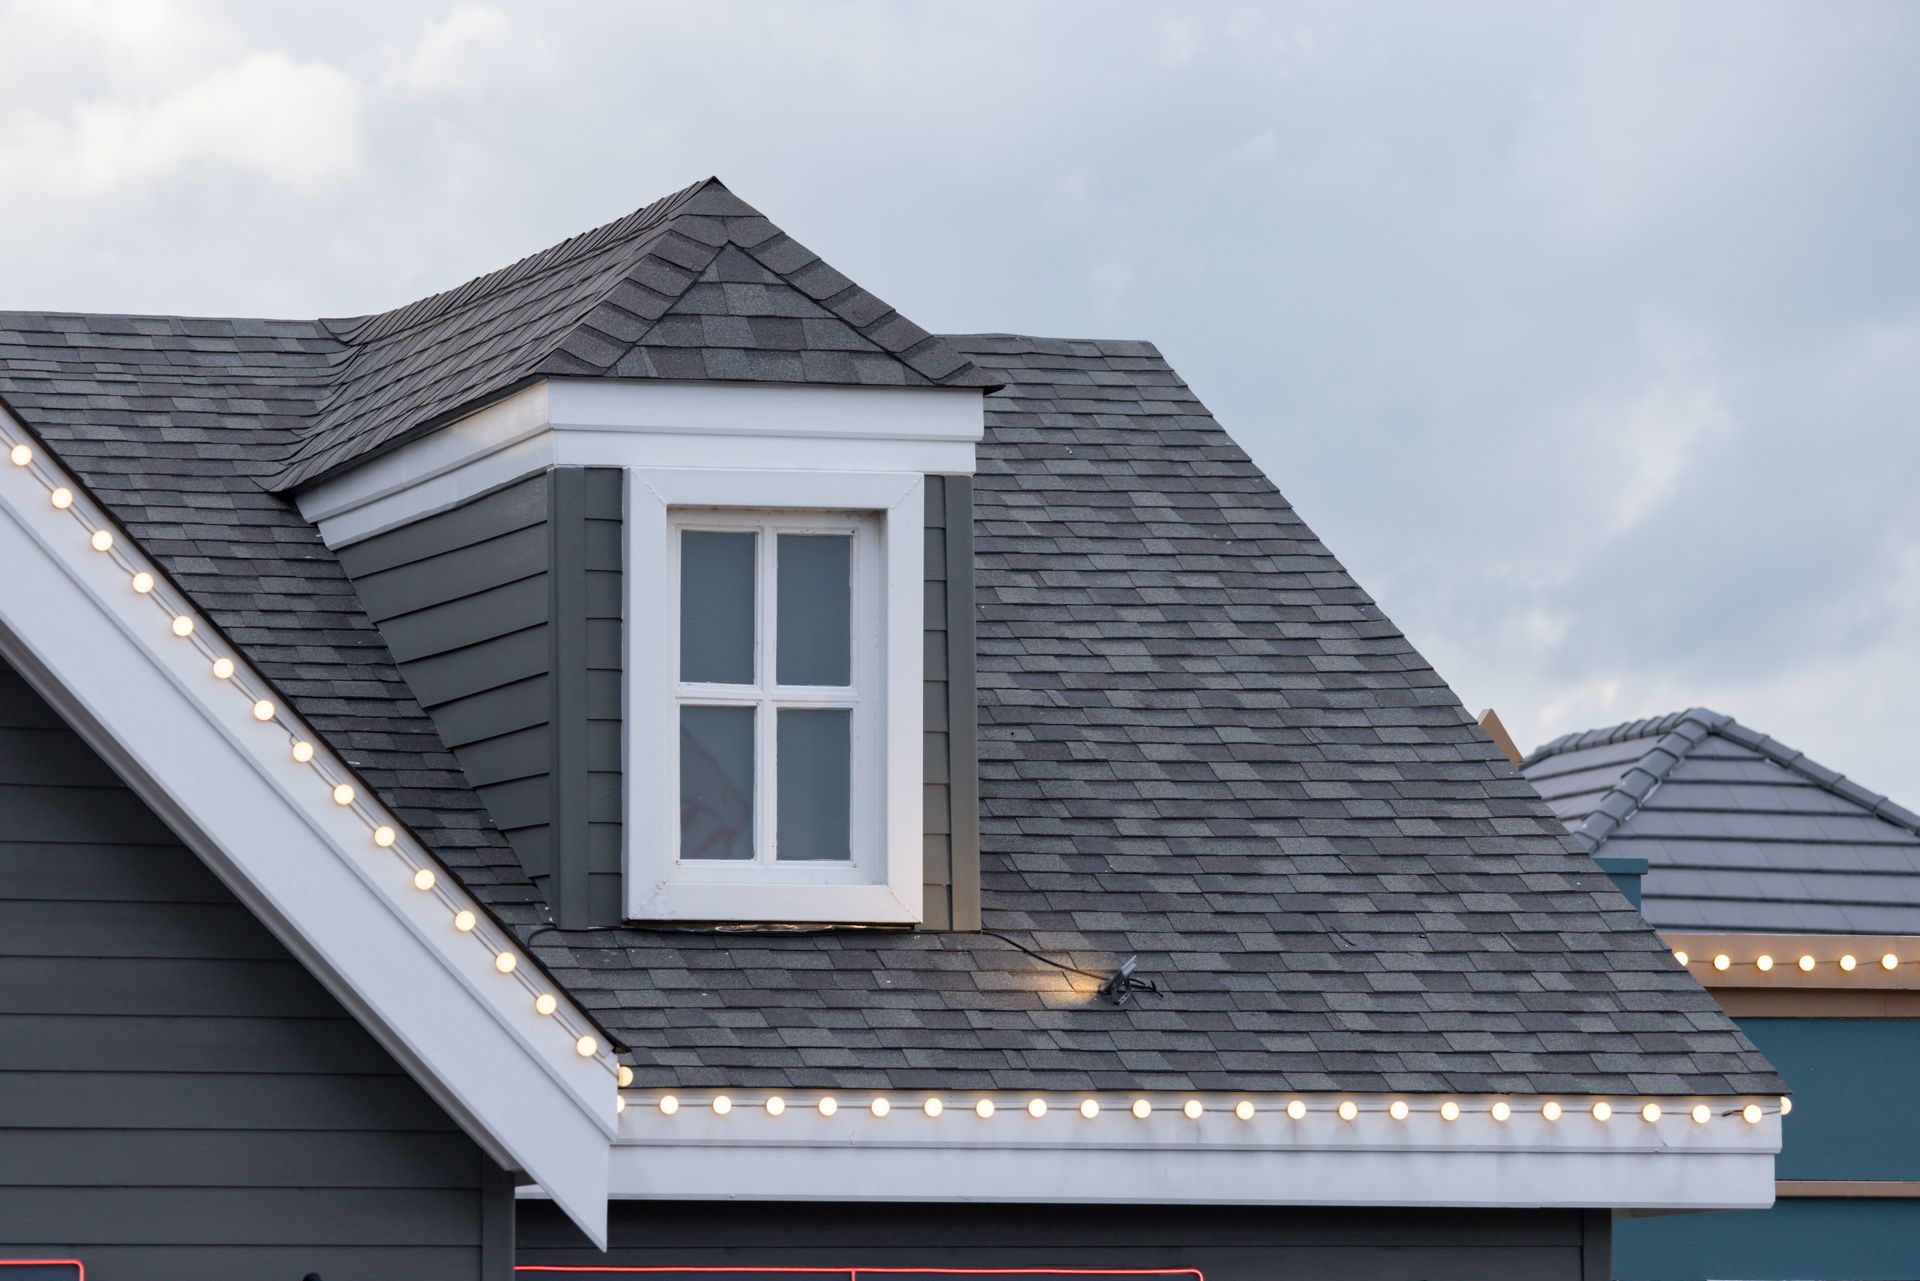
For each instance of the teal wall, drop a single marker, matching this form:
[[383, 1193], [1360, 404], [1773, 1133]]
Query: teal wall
[[1856, 1115]]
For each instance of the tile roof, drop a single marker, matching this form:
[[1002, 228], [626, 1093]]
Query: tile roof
[[1740, 833], [1201, 743]]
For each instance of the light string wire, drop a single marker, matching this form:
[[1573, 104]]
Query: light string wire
[[343, 788], [1863, 964]]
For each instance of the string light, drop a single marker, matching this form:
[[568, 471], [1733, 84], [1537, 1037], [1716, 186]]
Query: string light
[[343, 794], [828, 1105], [262, 710], [1501, 1110], [223, 668], [143, 582], [1750, 1114], [183, 626], [1397, 1109], [20, 455], [1722, 962], [1244, 1109], [61, 497], [464, 921], [1786, 1105], [1650, 1113], [880, 1107], [423, 879], [1848, 961], [776, 1105], [624, 1075], [933, 1107], [302, 751], [668, 1105], [1765, 963], [983, 1109], [1889, 962], [619, 1103], [1036, 1108], [384, 837], [586, 1047], [1192, 1108], [1681, 957], [1348, 1109], [545, 1004], [1806, 964], [1296, 1108], [102, 540], [1449, 1111], [1702, 1114], [1142, 1109], [1089, 1108], [1603, 1111], [1550, 1110], [506, 962]]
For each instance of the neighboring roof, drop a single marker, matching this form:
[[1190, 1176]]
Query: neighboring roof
[[1201, 742], [1741, 833]]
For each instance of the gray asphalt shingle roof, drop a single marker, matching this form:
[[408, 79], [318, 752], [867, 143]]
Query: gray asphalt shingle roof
[[1740, 833], [1201, 742]]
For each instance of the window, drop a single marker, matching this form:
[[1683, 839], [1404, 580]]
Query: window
[[777, 693]]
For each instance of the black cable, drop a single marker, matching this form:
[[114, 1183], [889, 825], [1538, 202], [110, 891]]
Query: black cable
[[1039, 956]]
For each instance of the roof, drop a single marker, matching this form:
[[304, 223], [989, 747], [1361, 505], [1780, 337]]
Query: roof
[[1741, 834], [1201, 742]]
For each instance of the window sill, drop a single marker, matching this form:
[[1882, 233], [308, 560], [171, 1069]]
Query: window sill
[[688, 900]]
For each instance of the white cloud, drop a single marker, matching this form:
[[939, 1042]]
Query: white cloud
[[473, 51]]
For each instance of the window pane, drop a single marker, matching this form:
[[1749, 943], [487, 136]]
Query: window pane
[[716, 782], [816, 610], [716, 607], [816, 784]]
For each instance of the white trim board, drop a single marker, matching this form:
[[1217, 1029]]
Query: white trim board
[[600, 422], [106, 657]]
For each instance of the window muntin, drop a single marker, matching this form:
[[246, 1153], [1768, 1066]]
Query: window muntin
[[777, 699]]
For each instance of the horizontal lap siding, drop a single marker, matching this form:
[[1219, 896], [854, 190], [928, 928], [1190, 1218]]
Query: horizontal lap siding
[[178, 1096]]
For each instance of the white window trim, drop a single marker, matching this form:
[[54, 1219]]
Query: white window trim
[[657, 886]]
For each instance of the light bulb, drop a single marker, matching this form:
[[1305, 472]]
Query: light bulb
[[1603, 1111], [1550, 1110], [1348, 1109], [1397, 1109], [828, 1105], [983, 1109], [505, 962], [1680, 957], [1296, 1108], [586, 1047], [263, 710], [1650, 1113], [1142, 1109], [1848, 961], [1889, 962], [1089, 1108], [1192, 1108], [464, 921], [776, 1105], [619, 1103], [1036, 1108], [182, 626], [1722, 962], [102, 540], [880, 1107], [668, 1105], [1501, 1110], [143, 582], [1750, 1114], [1806, 964], [722, 1105], [545, 1004], [302, 751], [1244, 1109], [423, 879], [1702, 1114], [61, 498], [1764, 963], [343, 794], [384, 836], [933, 1107], [20, 455], [1449, 1111], [1786, 1105], [624, 1076], [222, 669]]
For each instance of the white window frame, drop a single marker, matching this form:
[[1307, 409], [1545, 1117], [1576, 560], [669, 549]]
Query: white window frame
[[882, 885]]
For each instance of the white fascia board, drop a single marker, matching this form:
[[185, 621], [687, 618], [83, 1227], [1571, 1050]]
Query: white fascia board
[[1064, 1157], [104, 655], [603, 422]]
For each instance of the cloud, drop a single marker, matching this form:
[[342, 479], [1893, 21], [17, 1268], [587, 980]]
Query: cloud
[[472, 51]]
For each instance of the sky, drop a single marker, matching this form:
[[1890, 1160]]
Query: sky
[[1586, 335]]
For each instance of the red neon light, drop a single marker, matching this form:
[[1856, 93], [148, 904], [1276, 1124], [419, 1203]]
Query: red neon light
[[79, 1268], [854, 1274]]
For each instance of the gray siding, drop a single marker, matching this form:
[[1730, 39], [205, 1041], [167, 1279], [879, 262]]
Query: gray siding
[[179, 1098], [1225, 1243], [952, 783], [504, 615]]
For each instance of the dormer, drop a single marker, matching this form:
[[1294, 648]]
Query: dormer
[[674, 544]]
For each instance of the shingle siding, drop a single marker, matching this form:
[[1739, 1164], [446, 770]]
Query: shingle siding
[[952, 781]]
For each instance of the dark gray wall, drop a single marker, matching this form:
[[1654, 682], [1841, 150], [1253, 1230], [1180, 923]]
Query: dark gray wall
[[179, 1098], [504, 615], [1225, 1243]]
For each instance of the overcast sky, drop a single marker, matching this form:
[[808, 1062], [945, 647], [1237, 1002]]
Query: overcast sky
[[1587, 335]]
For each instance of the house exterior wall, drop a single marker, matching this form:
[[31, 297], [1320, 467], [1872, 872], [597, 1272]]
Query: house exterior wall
[[179, 1098], [1221, 1243]]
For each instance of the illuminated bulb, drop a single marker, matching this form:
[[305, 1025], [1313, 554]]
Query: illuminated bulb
[[1348, 1109], [1603, 1111], [143, 582], [384, 837], [1397, 1110], [303, 751], [102, 540], [20, 455], [1764, 964], [619, 1103], [464, 921], [423, 879], [505, 962], [1244, 1109], [625, 1076], [1722, 962], [343, 794], [1650, 1113], [722, 1105], [1702, 1114], [1889, 962], [61, 498], [1296, 1108], [183, 626], [1501, 1110], [1036, 1108], [828, 1105], [1680, 957], [1806, 964], [1142, 1109], [776, 1105], [933, 1107], [1449, 1111], [545, 1004], [880, 1107], [1750, 1114], [983, 1109], [222, 669], [263, 710], [1089, 1108], [668, 1105], [1847, 962], [1192, 1109], [1786, 1105], [1550, 1110], [586, 1047]]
